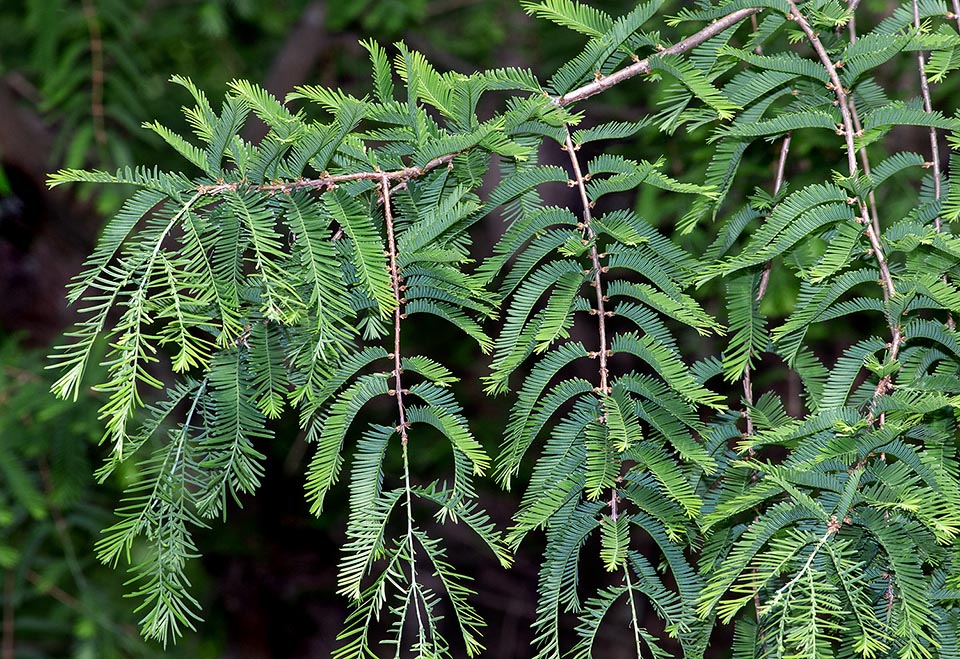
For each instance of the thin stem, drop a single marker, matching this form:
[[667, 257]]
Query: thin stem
[[96, 71], [934, 141], [864, 160], [873, 233], [787, 587], [634, 619], [835, 83], [600, 311], [928, 108], [595, 259], [330, 181], [764, 281], [747, 373], [777, 184], [641, 66], [396, 283], [848, 132], [755, 26]]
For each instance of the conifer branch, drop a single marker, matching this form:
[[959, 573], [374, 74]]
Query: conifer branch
[[934, 141], [785, 589], [872, 230], [835, 83], [642, 437], [864, 159], [330, 181], [777, 184], [395, 281], [641, 66], [634, 618], [849, 131], [764, 281], [591, 236], [928, 108]]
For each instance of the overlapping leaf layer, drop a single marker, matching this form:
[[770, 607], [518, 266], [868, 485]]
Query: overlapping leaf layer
[[646, 432]]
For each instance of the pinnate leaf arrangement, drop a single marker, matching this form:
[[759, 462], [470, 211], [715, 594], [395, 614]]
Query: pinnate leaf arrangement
[[285, 274]]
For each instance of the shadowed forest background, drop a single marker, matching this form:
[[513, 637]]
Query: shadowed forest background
[[77, 79]]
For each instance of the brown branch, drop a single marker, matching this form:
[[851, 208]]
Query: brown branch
[[777, 184], [597, 283], [848, 132], [395, 284], [934, 141], [762, 288], [594, 257], [96, 71], [330, 181], [747, 373], [642, 66], [396, 280], [835, 83], [864, 160], [928, 108], [753, 24], [873, 234]]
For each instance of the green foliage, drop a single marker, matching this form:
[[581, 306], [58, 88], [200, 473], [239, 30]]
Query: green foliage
[[287, 273], [58, 599]]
